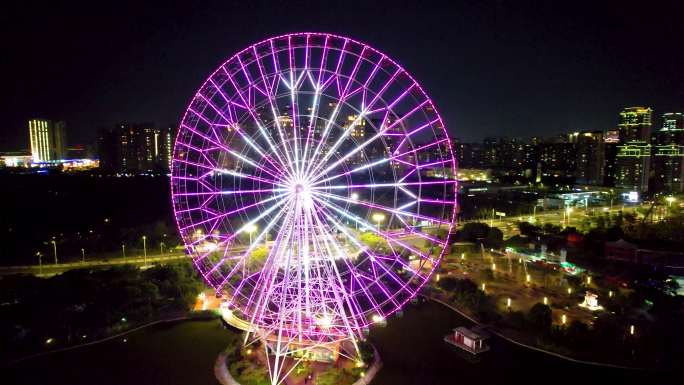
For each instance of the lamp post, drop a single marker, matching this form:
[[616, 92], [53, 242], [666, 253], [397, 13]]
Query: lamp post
[[54, 248], [378, 217], [251, 229], [669, 201], [82, 255], [40, 263], [144, 238], [568, 211]]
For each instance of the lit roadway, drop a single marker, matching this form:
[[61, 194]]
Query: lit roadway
[[506, 224], [49, 269]]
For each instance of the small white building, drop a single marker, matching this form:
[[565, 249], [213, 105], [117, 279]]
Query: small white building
[[467, 340]]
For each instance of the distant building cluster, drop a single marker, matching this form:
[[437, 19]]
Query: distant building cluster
[[48, 149], [632, 157], [133, 148]]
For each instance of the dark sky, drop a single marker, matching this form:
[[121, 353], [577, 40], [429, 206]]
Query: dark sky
[[504, 68]]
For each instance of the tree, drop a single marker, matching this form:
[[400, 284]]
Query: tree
[[526, 228], [539, 316], [257, 257], [494, 238], [473, 231]]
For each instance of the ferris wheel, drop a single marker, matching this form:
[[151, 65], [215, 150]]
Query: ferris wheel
[[313, 183]]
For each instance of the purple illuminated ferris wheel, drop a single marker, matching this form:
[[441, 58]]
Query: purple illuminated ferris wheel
[[313, 184]]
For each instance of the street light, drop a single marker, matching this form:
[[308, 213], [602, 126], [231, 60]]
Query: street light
[[251, 229], [144, 250], [54, 247], [355, 196], [669, 200], [40, 262], [378, 217]]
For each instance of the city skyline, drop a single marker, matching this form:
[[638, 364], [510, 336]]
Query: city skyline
[[496, 73]]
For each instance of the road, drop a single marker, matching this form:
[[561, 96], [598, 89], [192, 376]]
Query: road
[[53, 269], [506, 224]]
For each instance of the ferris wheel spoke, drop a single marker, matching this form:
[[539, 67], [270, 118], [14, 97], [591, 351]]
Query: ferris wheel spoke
[[384, 185], [268, 273], [255, 118], [270, 98], [242, 229], [337, 143], [225, 148], [235, 154], [390, 210], [293, 85], [355, 274], [238, 210], [372, 255], [385, 235], [351, 302], [374, 163]]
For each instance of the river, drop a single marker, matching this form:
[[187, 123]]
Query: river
[[411, 346]]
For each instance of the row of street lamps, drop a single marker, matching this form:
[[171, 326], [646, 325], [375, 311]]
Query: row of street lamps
[[123, 252]]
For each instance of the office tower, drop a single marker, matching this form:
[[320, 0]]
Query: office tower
[[590, 157], [135, 148], [633, 158], [47, 140], [39, 138], [635, 124], [668, 157], [557, 158], [633, 165]]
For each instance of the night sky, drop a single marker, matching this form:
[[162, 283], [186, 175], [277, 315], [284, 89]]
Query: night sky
[[503, 68]]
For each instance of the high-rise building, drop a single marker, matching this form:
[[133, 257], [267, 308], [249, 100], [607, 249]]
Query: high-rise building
[[47, 140], [590, 157], [633, 158], [668, 154], [610, 163], [635, 124], [557, 158], [135, 148], [633, 165]]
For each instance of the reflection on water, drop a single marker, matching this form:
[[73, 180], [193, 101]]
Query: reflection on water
[[411, 347]]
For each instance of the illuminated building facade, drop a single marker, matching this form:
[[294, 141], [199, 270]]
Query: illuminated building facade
[[557, 159], [47, 140], [135, 148], [635, 124], [590, 157], [633, 165], [633, 157], [668, 154]]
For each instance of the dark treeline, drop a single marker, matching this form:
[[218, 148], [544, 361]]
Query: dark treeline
[[81, 305], [82, 211]]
